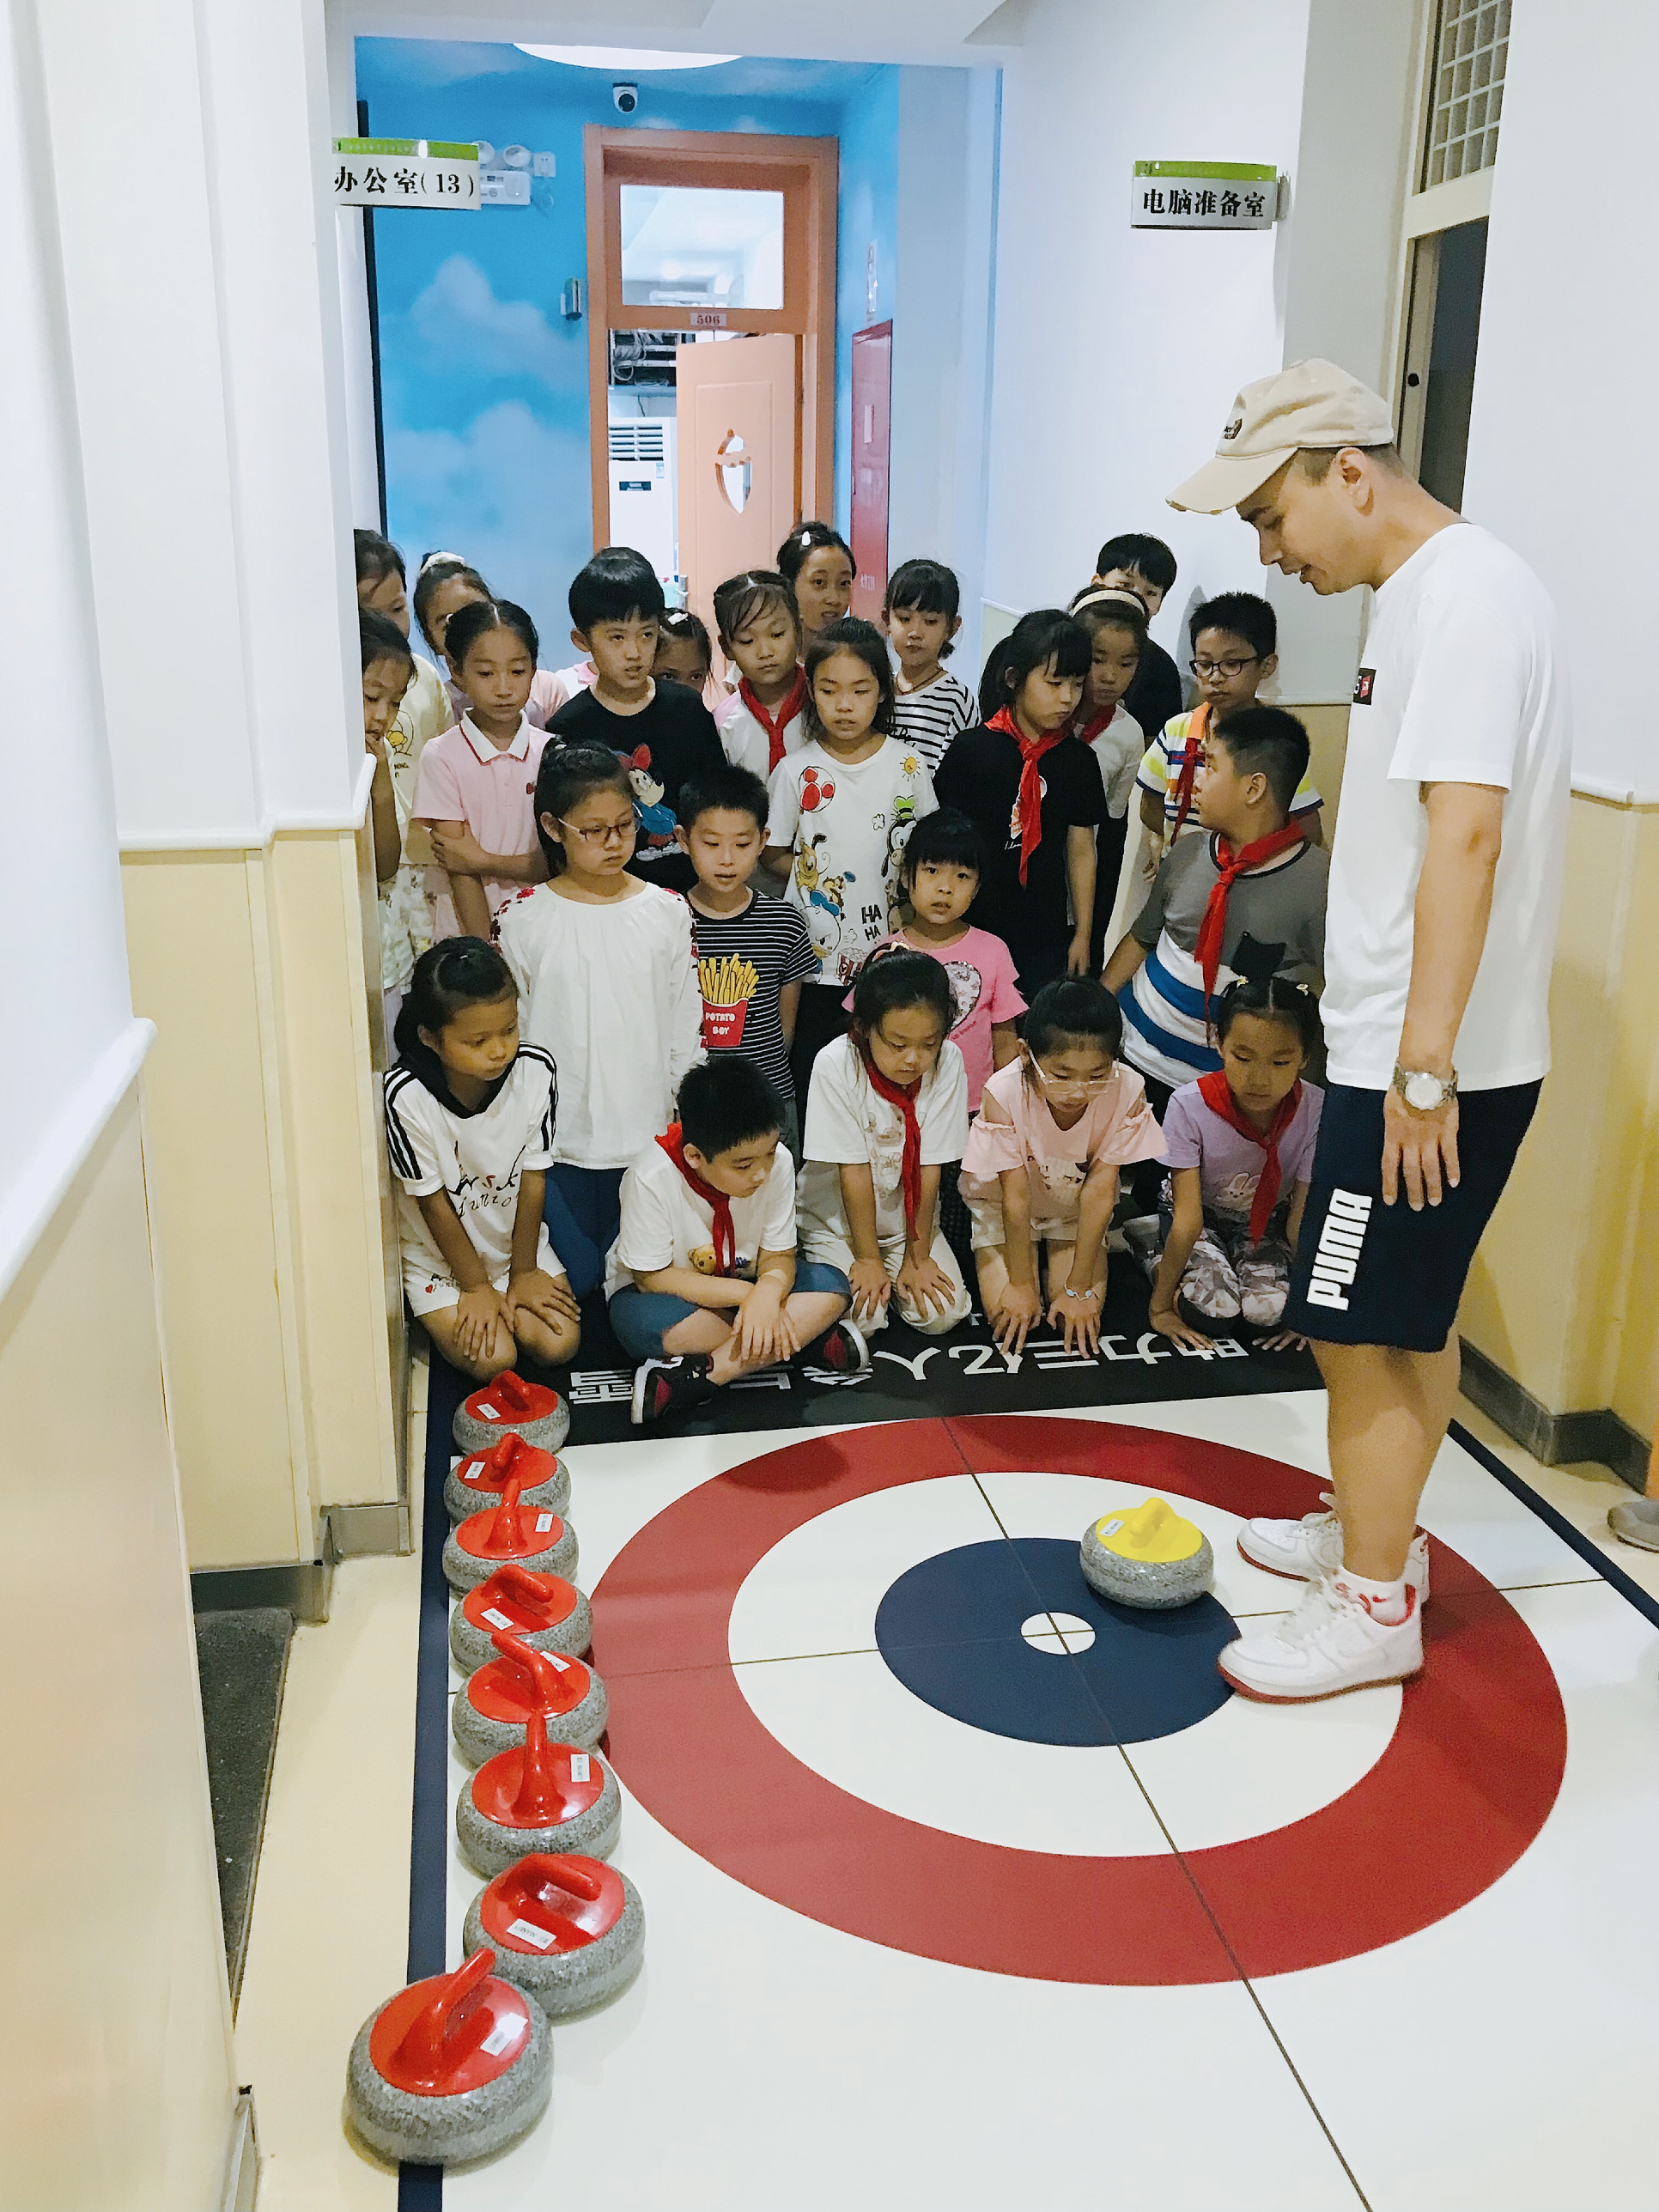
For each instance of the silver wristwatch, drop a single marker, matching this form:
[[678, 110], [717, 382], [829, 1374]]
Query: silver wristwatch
[[1423, 1092]]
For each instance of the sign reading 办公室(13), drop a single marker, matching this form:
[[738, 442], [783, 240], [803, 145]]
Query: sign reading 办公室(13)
[[423, 173], [1204, 195]]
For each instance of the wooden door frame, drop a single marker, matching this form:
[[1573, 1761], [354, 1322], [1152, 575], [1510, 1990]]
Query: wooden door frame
[[807, 171]]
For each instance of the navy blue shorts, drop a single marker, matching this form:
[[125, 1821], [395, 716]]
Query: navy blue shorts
[[641, 1319], [1371, 1274]]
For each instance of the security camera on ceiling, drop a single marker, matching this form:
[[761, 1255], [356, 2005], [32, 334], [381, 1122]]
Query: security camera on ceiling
[[625, 98]]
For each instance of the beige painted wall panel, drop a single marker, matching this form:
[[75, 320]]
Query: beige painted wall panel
[[193, 949], [117, 2076], [335, 1147], [1327, 735]]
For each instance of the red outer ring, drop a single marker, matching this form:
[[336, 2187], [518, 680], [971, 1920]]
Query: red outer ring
[[1464, 1786]]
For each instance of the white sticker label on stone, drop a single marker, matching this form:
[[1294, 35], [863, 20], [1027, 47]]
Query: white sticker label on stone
[[1107, 1528], [543, 1523], [473, 1474], [579, 1767], [490, 1412], [502, 2037], [542, 1938], [497, 1617], [563, 1665]]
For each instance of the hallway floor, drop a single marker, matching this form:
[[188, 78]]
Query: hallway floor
[[834, 2004]]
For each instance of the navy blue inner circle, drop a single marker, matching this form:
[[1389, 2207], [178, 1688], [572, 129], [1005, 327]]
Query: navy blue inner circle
[[949, 1628]]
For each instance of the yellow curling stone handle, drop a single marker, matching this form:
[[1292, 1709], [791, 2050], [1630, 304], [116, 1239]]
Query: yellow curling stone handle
[[1152, 1531]]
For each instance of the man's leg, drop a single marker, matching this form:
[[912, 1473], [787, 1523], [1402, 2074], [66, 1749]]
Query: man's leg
[[1388, 1413]]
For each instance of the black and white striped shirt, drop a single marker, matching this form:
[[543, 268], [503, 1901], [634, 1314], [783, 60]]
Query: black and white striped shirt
[[927, 719]]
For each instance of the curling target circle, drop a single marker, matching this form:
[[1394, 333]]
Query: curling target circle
[[1471, 1766]]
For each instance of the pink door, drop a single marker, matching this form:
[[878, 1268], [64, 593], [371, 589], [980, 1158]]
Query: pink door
[[738, 404], [872, 398]]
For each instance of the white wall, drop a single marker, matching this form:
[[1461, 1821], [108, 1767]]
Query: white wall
[[1118, 351], [1561, 439]]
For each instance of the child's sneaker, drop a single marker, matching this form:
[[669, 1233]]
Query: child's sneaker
[[1333, 1641], [842, 1347], [665, 1387], [1312, 1547]]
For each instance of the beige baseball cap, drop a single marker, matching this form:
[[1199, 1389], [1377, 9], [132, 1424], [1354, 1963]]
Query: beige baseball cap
[[1312, 402]]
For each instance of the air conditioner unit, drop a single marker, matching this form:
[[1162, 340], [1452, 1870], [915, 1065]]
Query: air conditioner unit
[[644, 458]]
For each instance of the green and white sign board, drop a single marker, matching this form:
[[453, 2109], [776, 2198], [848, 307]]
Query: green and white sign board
[[419, 172], [1204, 195]]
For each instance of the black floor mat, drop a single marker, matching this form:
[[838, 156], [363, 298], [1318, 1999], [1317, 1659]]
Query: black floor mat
[[242, 1657]]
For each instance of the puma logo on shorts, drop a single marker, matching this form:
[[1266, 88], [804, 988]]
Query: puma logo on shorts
[[1336, 1261]]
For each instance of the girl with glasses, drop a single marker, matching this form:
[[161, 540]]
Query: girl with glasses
[[1040, 1171]]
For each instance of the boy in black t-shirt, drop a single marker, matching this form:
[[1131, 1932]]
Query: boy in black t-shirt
[[662, 731], [753, 953]]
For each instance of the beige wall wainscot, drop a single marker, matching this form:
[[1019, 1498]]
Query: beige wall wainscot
[[1565, 1292], [118, 2082], [276, 1246], [1328, 736]]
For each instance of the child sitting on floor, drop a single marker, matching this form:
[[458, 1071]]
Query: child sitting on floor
[[888, 1107], [470, 1115], [1240, 1143], [704, 1282], [1039, 1170]]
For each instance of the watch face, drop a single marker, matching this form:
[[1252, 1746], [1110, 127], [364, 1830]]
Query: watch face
[[1424, 1092]]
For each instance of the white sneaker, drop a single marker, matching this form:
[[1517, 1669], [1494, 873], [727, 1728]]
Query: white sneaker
[[1330, 1644], [1312, 1547]]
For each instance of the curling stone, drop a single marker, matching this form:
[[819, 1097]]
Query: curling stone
[[483, 1476], [543, 1797], [450, 2069], [1147, 1557], [569, 1930], [510, 1405], [525, 1535], [540, 1610], [490, 1714]]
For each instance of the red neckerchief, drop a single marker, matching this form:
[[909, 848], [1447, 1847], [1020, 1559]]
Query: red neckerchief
[[1030, 782], [1088, 732], [903, 1096], [1214, 1092], [773, 723], [1189, 761], [1233, 864], [726, 1238]]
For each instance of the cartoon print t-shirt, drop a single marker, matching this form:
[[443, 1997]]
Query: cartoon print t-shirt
[[669, 742], [848, 827]]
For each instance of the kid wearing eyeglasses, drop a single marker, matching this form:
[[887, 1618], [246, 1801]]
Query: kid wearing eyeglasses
[[1235, 650], [608, 985], [1040, 1171]]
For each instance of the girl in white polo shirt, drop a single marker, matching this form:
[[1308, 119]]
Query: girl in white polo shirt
[[469, 1117]]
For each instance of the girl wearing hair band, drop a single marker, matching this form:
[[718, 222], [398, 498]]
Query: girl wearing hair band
[[470, 1121], [446, 584], [1241, 1145], [605, 962]]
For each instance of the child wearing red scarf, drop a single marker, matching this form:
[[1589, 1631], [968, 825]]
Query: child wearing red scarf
[[702, 1281], [1240, 1143], [887, 1109], [760, 636]]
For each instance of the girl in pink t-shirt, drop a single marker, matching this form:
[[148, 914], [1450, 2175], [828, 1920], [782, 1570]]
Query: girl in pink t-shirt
[[1040, 1171], [1240, 1145]]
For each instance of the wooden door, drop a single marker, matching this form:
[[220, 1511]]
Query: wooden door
[[873, 399], [739, 404]]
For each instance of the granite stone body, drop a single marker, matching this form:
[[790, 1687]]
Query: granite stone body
[[475, 1647], [546, 1434], [445, 2130], [490, 1848], [564, 1982], [461, 1500], [1156, 1584], [464, 1569], [479, 1737]]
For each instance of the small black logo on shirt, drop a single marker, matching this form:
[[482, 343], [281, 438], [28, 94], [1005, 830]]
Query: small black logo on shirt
[[1364, 687]]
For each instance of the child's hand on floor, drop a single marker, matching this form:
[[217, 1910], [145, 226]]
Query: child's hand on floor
[[1018, 1312], [924, 1284], [871, 1288], [478, 1314], [550, 1297], [1286, 1341], [1076, 1313], [1168, 1323]]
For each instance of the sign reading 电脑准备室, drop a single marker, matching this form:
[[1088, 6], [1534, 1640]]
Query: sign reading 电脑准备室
[[405, 173], [1204, 195]]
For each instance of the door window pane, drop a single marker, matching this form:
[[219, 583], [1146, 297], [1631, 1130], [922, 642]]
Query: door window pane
[[696, 247]]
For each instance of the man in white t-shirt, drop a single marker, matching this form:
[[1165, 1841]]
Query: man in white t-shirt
[[1446, 891]]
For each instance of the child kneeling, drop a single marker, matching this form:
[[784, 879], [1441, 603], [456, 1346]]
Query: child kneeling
[[702, 1279], [469, 1116], [1039, 1173], [887, 1109]]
